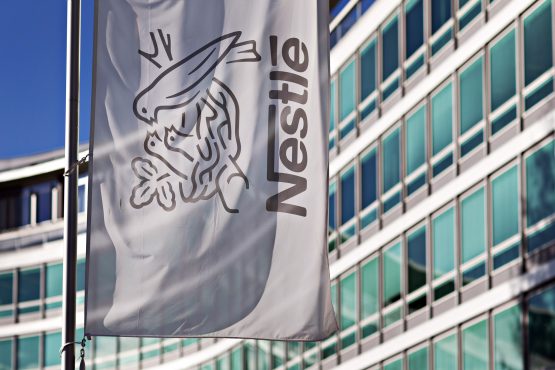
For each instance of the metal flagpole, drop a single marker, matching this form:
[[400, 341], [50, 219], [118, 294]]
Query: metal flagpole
[[71, 177]]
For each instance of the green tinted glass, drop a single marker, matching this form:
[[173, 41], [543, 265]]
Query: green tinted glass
[[6, 348], [368, 70], [6, 288], [106, 346], [263, 358], [395, 365], [28, 352], [471, 95], [29, 285], [416, 245], [445, 353], [347, 91], [473, 225], [333, 92], [392, 262], [538, 45], [391, 160], [442, 120], [54, 280], [52, 344], [541, 330], [444, 242], [475, 346], [333, 296], [505, 197], [237, 359], [390, 46], [508, 340], [418, 360], [369, 280], [503, 70], [540, 177], [416, 140], [348, 301]]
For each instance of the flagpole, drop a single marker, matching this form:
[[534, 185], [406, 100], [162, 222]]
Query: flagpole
[[71, 178]]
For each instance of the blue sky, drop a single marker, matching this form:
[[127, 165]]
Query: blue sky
[[32, 75]]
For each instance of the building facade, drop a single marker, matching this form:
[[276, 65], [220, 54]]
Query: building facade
[[441, 206]]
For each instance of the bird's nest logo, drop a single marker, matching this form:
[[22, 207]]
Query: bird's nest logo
[[192, 142]]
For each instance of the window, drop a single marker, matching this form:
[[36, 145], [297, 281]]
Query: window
[[6, 348], [508, 339], [443, 236], [347, 99], [503, 81], [348, 301], [369, 290], [106, 346], [538, 52], [347, 195], [467, 13], [222, 363], [442, 130], [28, 352], [471, 105], [29, 289], [473, 238], [369, 191], [6, 294], [81, 275], [441, 13], [129, 350], [416, 245], [391, 167], [392, 262], [332, 225], [52, 344], [81, 197], [333, 91], [414, 34], [368, 70], [43, 193], [505, 214], [418, 360], [263, 352], [53, 280], [541, 329], [540, 197], [415, 155], [390, 56], [237, 359], [395, 365], [475, 343], [445, 353]]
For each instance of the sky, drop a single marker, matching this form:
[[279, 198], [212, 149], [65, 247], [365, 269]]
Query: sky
[[33, 75]]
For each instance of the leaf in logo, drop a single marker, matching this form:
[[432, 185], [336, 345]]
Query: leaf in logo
[[151, 185]]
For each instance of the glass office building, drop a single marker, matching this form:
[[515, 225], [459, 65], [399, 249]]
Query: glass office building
[[441, 206]]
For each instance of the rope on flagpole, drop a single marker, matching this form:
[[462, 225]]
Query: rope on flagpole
[[83, 343], [76, 165]]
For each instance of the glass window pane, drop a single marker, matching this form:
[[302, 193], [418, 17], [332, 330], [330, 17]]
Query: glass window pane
[[444, 242], [414, 32], [54, 280], [540, 182], [442, 120], [475, 346], [505, 196], [263, 355], [52, 344], [541, 330], [391, 160], [538, 46], [503, 70], [28, 352], [417, 259], [278, 354], [331, 213], [390, 56], [347, 195], [416, 140], [395, 365], [333, 92], [106, 346], [369, 176], [237, 359], [441, 12], [418, 360], [392, 262], [333, 296], [473, 225], [348, 301], [81, 266], [347, 91], [369, 280], [6, 348], [368, 70], [44, 201], [508, 340], [6, 288], [445, 353], [471, 105], [29, 285]]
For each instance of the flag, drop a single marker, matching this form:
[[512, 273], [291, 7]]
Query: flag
[[208, 179]]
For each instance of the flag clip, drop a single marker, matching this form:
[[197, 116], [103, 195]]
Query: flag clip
[[70, 170]]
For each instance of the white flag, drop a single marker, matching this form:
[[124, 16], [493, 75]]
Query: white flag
[[208, 180]]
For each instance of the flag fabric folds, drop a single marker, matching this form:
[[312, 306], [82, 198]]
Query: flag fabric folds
[[208, 179]]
